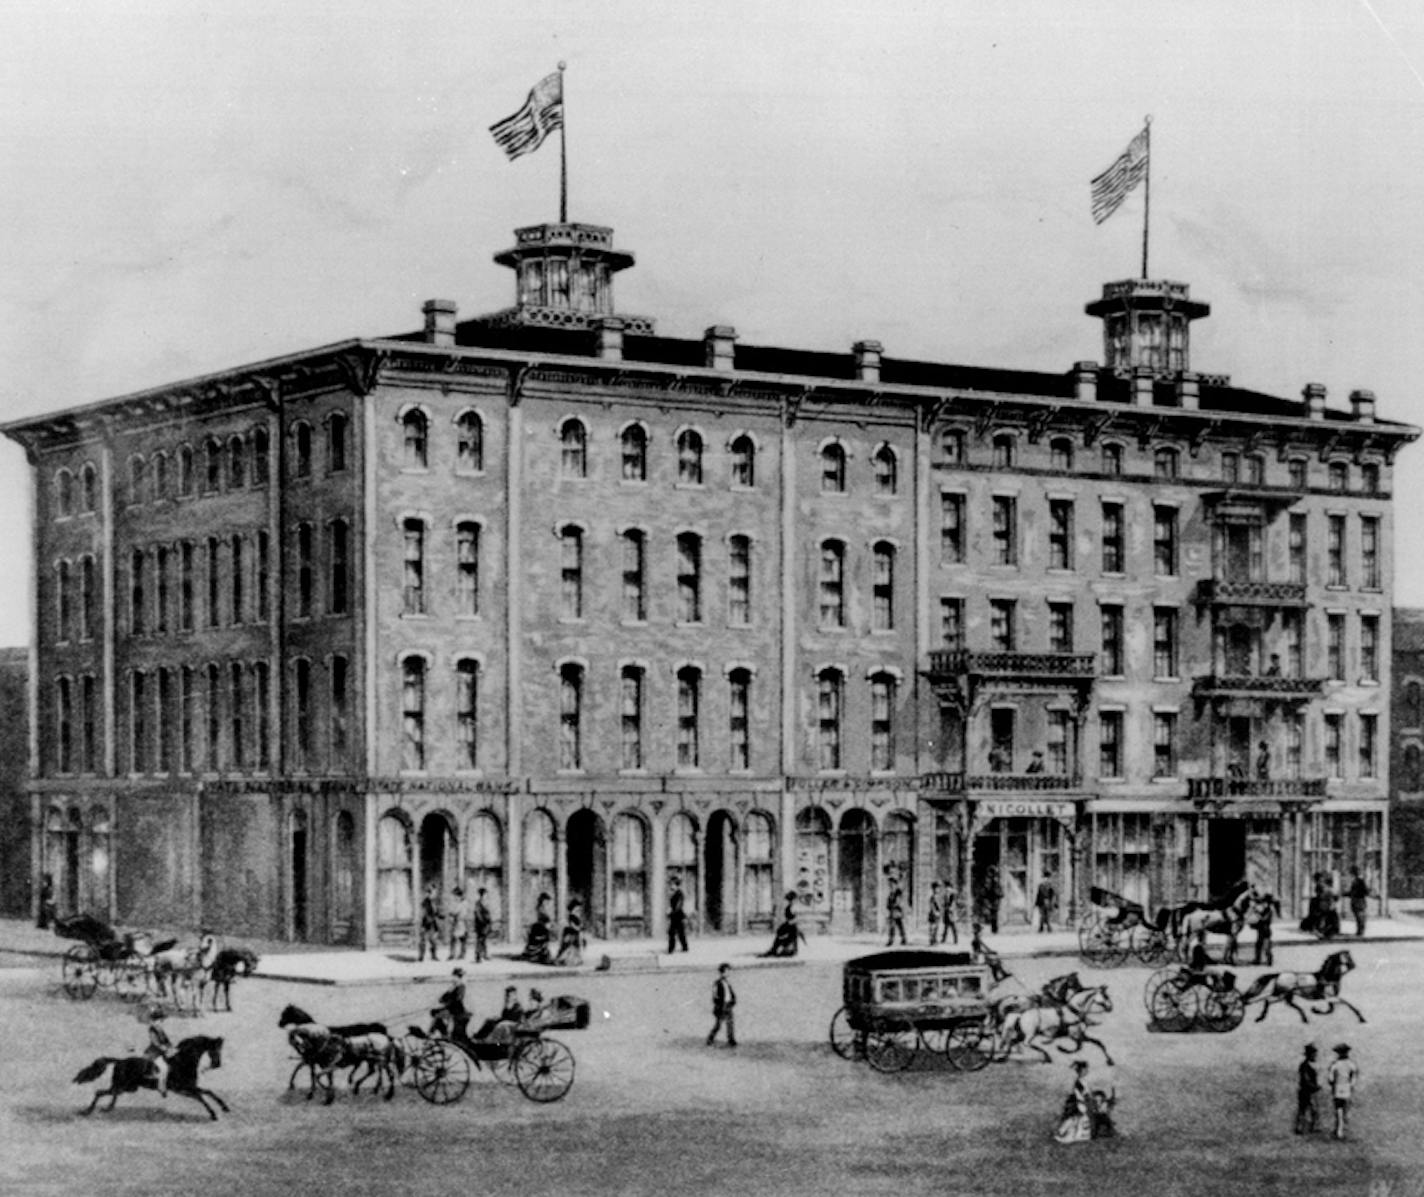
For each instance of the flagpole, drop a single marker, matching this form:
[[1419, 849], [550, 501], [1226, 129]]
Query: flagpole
[[563, 153], [1146, 193]]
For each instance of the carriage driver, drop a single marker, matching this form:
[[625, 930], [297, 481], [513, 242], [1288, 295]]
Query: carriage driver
[[451, 1017], [159, 1050], [1199, 964]]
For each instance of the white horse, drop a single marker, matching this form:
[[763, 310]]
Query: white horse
[[1069, 1020]]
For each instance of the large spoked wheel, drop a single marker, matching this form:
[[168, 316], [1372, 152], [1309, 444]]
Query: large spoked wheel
[[543, 1069], [1173, 1006], [891, 1049], [969, 1046], [130, 983], [80, 971], [1223, 1010], [442, 1074], [1148, 944], [1102, 945], [846, 1041]]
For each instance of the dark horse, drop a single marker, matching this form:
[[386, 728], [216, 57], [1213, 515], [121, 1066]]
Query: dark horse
[[1324, 987], [1225, 914], [322, 1050], [229, 964], [132, 1073]]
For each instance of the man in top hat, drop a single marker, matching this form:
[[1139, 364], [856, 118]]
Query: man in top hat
[[677, 916], [483, 924], [1342, 1076], [1307, 1115], [452, 1016]]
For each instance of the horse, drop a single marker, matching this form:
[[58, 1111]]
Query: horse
[[227, 966], [1322, 986], [1053, 993], [356, 1046], [132, 1073], [1225, 915], [1047, 1024]]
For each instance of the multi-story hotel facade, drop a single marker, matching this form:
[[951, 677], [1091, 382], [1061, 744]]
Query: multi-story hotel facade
[[544, 602]]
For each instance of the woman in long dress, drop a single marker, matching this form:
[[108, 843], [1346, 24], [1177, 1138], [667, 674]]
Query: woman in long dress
[[1087, 1112], [571, 941]]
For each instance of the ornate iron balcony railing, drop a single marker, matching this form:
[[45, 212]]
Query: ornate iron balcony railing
[[1256, 787]]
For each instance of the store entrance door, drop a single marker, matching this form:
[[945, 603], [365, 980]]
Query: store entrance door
[[1225, 855]]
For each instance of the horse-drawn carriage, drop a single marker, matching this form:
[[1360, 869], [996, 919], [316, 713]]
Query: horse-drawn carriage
[[1178, 999], [1116, 928], [900, 1004], [523, 1055], [102, 959]]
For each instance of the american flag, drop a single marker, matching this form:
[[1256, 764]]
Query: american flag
[[543, 112], [1111, 187]]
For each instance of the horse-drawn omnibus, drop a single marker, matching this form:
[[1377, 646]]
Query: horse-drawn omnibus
[[899, 1004]]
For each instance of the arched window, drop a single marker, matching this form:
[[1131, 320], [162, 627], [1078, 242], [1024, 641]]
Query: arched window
[[830, 704], [1166, 463], [1112, 460], [467, 568], [161, 481], [469, 443], [635, 575], [689, 717], [1256, 470], [336, 433], [571, 572], [886, 471], [260, 442], [413, 588], [882, 616], [1003, 451], [1411, 780], [1413, 705], [137, 479], [832, 584], [1370, 478], [416, 444], [413, 713], [467, 712], [833, 470], [882, 722], [236, 463], [682, 854], [540, 853], [743, 461], [1060, 453], [689, 577], [394, 871], [571, 716], [689, 458], [213, 452], [185, 471], [635, 454], [759, 855], [573, 448], [1339, 476], [484, 865], [630, 870], [813, 853], [64, 725], [100, 853], [739, 580], [897, 852], [339, 566], [64, 494], [89, 496], [344, 894]]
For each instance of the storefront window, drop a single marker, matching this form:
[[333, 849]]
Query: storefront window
[[682, 855], [484, 864], [758, 898], [394, 880], [813, 860], [629, 867]]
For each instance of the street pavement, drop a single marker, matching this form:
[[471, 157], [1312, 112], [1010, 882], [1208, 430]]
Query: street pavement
[[321, 965]]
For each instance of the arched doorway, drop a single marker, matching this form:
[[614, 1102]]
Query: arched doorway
[[439, 854], [682, 863], [897, 850], [630, 876], [721, 855], [540, 856], [588, 868], [484, 866], [343, 883], [813, 862], [298, 845], [858, 866]]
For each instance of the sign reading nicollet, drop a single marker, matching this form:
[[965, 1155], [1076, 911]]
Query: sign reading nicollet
[[1012, 808]]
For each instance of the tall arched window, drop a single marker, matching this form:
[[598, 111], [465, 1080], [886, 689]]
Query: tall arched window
[[743, 461], [689, 717], [1004, 451], [830, 703], [573, 450], [689, 577], [682, 855], [213, 465], [882, 722], [951, 447], [886, 471], [137, 479], [339, 566], [832, 584], [484, 864], [413, 713], [759, 871], [571, 717], [883, 588], [161, 481], [467, 710], [64, 494], [813, 853], [571, 572], [467, 568], [1112, 460], [413, 590], [1412, 779], [1413, 705], [635, 454], [416, 439], [185, 471], [236, 463], [89, 496], [635, 575], [833, 470], [336, 433], [739, 580], [344, 894], [689, 458], [100, 854], [260, 442], [469, 443], [540, 853], [394, 872], [630, 871]]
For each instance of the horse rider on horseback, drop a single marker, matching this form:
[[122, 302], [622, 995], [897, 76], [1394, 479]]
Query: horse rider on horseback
[[159, 1051]]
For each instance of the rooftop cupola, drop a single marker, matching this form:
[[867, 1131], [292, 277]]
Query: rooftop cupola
[[1147, 325], [564, 278]]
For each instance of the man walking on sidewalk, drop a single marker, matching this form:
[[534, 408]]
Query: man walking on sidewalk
[[1044, 902], [1359, 895], [724, 1001], [895, 910], [677, 917]]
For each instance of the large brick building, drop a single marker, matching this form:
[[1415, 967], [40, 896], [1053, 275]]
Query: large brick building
[[542, 601]]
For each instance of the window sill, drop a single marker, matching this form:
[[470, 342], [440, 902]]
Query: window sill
[[1166, 781], [688, 623]]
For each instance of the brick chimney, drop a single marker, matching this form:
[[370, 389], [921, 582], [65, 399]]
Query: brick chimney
[[440, 321], [1314, 395], [1144, 380], [1189, 390], [867, 360], [721, 342], [1362, 406], [1085, 381], [610, 338]]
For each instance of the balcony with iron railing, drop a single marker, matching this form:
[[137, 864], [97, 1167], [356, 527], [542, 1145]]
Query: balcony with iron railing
[[1255, 787], [1000, 783], [1271, 687], [1070, 667], [1237, 592]]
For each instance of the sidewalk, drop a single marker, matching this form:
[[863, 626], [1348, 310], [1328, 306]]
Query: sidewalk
[[322, 965]]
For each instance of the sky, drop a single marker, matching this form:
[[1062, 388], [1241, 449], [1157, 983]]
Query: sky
[[187, 188]]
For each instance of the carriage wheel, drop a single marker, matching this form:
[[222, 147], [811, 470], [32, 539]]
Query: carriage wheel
[[891, 1049], [442, 1073], [1101, 945], [934, 1040], [543, 1069], [130, 982], [1223, 1010], [1148, 944], [1174, 1006], [969, 1045], [846, 1041], [411, 1047], [80, 971]]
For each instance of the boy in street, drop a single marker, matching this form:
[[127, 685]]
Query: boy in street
[[1342, 1076], [1307, 1114], [724, 1001]]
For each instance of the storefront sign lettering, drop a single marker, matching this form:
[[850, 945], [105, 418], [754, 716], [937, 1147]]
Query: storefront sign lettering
[[999, 808]]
